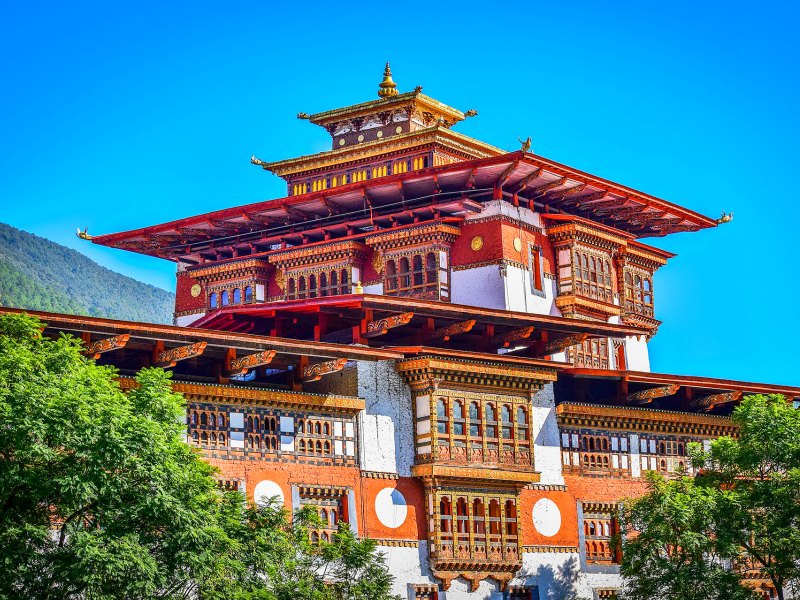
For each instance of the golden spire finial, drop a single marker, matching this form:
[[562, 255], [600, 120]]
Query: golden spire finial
[[387, 87]]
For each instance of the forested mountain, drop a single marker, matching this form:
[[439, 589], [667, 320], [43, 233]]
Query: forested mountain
[[38, 274]]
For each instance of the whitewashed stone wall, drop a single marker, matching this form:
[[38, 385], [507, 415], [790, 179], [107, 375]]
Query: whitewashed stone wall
[[546, 438], [386, 426]]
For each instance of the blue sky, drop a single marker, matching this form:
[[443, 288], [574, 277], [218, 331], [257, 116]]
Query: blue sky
[[120, 115]]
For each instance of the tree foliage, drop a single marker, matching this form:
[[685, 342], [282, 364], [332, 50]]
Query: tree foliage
[[698, 538], [101, 498], [38, 274]]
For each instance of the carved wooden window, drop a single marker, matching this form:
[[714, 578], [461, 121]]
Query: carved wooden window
[[522, 592], [237, 296], [638, 293], [535, 265], [331, 506], [224, 298], [591, 354], [472, 429], [248, 294], [299, 188], [319, 184], [414, 274], [312, 285], [357, 176], [475, 525], [381, 171], [599, 527], [426, 592], [595, 453], [593, 276], [213, 300], [420, 162]]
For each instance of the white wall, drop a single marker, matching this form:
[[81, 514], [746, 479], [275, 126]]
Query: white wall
[[637, 356], [187, 320], [481, 286], [519, 292], [546, 437], [386, 426]]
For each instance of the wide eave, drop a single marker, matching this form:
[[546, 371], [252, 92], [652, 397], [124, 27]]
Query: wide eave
[[361, 208]]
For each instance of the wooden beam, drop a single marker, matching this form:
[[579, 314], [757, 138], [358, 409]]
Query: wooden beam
[[707, 403], [647, 396], [539, 191], [240, 366], [316, 371], [96, 348], [300, 213], [504, 340], [381, 326], [523, 183], [445, 333], [168, 358], [562, 344], [562, 193], [500, 181]]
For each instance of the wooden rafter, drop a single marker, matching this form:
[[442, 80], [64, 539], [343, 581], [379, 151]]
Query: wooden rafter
[[552, 196], [566, 342], [318, 370], [707, 403], [445, 333], [169, 358], [240, 366], [504, 340], [540, 190], [501, 180], [647, 396], [382, 326], [98, 347], [523, 183]]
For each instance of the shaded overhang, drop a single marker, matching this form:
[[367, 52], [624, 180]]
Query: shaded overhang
[[687, 393], [361, 209], [403, 322]]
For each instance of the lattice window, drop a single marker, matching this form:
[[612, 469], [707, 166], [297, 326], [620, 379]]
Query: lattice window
[[426, 592], [330, 503], [522, 592], [593, 276], [475, 526], [638, 292], [591, 354], [332, 282], [400, 167], [667, 455], [595, 453], [420, 162], [600, 525], [473, 428], [413, 274]]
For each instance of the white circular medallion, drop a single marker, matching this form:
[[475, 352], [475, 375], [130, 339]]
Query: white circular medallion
[[341, 142], [546, 517], [391, 508], [265, 490], [361, 138], [379, 134], [399, 129]]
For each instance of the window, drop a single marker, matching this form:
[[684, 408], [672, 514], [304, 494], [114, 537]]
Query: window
[[599, 526], [212, 300], [400, 167], [248, 294], [638, 293], [535, 265], [505, 413], [522, 423], [224, 297], [358, 176], [237, 296], [442, 423], [458, 418], [379, 171], [299, 188], [420, 163], [591, 354], [417, 274], [474, 420], [593, 276]]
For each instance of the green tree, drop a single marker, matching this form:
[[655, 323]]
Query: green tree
[[695, 537], [672, 549], [101, 498], [760, 474]]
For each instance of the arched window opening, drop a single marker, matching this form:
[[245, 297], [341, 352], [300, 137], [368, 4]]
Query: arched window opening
[[237, 296], [442, 424], [474, 420], [212, 300], [224, 298], [248, 294], [458, 417], [494, 517]]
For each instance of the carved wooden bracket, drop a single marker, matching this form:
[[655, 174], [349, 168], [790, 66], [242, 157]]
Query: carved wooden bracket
[[647, 396], [707, 403], [504, 339], [445, 333], [381, 326], [117, 342], [316, 371], [240, 366], [564, 343], [168, 358]]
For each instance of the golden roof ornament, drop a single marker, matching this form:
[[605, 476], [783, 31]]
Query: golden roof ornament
[[387, 87], [84, 235], [725, 218]]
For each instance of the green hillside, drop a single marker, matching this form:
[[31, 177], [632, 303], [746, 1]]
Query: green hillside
[[38, 274]]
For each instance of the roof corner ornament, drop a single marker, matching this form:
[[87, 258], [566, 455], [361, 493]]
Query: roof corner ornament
[[417, 90], [84, 235], [387, 87], [725, 218], [526, 145], [472, 113], [302, 115], [257, 161]]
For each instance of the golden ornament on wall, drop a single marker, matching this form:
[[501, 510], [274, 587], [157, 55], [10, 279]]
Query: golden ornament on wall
[[476, 243], [280, 280], [196, 290], [377, 262], [517, 244]]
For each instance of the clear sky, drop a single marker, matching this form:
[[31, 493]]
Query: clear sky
[[120, 115]]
